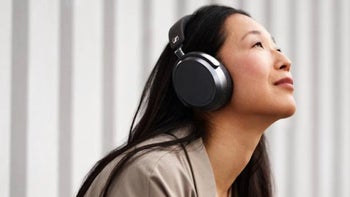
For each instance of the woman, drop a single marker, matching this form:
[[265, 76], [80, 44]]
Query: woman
[[184, 145]]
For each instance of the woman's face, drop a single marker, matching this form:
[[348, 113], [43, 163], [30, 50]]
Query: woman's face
[[261, 74]]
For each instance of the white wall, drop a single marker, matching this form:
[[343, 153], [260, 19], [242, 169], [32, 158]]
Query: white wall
[[71, 73]]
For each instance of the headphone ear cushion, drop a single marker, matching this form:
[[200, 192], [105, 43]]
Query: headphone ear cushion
[[200, 81]]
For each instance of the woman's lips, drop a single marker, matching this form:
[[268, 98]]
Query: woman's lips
[[285, 82]]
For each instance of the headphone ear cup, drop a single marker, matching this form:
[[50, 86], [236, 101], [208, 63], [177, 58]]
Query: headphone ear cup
[[200, 81]]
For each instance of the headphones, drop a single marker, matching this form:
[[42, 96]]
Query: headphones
[[199, 79]]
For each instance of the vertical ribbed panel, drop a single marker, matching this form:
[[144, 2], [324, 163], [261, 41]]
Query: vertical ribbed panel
[[65, 98], [108, 75], [19, 99], [5, 98], [42, 131], [87, 87], [128, 71]]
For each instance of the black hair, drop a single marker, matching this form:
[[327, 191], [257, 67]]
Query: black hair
[[160, 111]]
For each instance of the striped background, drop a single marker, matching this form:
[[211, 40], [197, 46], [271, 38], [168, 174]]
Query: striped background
[[71, 72]]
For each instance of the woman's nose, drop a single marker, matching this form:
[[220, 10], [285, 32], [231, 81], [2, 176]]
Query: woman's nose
[[282, 61]]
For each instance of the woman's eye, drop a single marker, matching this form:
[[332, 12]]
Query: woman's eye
[[258, 44]]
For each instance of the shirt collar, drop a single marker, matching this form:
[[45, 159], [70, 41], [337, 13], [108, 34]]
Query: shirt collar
[[202, 169]]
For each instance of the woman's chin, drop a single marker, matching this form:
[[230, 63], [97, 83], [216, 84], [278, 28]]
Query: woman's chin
[[288, 111]]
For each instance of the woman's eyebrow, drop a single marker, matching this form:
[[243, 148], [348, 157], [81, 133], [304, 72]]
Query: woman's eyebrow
[[256, 32]]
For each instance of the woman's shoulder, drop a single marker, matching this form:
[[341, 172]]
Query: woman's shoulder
[[167, 162], [153, 171]]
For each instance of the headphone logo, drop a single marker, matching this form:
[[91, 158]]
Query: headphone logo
[[175, 39]]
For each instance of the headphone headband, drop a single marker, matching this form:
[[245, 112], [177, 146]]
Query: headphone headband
[[177, 35]]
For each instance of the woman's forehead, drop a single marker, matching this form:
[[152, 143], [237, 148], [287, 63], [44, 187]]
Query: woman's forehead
[[239, 26]]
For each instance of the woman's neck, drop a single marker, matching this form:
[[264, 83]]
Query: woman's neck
[[230, 144]]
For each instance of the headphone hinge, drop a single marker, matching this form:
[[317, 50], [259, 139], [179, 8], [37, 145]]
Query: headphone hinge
[[179, 52]]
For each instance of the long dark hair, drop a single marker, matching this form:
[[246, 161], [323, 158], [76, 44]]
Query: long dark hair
[[160, 111]]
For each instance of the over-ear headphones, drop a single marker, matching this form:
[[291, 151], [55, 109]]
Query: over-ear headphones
[[199, 79]]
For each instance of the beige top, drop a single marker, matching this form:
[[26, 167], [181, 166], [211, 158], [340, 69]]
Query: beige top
[[162, 172]]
